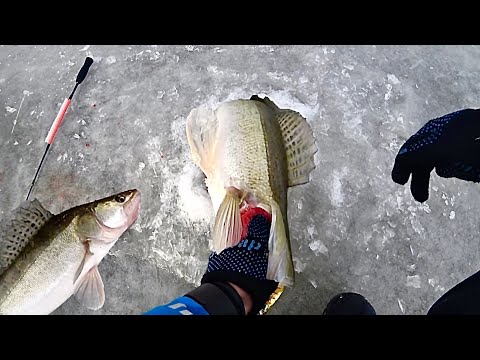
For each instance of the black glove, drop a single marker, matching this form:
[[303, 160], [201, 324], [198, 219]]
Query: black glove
[[450, 144], [244, 265]]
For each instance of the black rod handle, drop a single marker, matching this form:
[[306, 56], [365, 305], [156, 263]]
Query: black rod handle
[[84, 70]]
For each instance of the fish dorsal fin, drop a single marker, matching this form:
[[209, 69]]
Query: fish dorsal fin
[[201, 135], [266, 101], [298, 139], [299, 145], [17, 232]]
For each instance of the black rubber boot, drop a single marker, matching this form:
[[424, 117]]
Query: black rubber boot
[[462, 299], [349, 304]]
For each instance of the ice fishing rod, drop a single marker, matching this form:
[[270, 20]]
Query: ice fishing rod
[[61, 113]]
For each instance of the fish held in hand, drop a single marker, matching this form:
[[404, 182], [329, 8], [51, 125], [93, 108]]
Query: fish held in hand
[[251, 151]]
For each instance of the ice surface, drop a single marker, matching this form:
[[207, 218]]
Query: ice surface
[[352, 228]]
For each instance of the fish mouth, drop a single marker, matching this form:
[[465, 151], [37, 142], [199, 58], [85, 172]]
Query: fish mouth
[[132, 206]]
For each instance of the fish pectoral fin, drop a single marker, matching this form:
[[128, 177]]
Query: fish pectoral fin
[[87, 255], [19, 230], [90, 291], [228, 223], [299, 145], [280, 263], [202, 125]]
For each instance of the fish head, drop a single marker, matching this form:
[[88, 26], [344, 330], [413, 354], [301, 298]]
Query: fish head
[[119, 210]]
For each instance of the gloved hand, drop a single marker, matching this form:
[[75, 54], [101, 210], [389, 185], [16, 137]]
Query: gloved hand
[[244, 265], [450, 144]]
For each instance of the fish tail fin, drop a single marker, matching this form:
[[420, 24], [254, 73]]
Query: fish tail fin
[[227, 230], [280, 263]]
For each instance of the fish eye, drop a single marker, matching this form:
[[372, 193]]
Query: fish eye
[[120, 198]]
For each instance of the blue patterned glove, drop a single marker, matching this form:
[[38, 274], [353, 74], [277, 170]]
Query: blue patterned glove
[[450, 144], [246, 263]]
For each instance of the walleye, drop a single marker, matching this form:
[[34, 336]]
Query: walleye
[[251, 151], [45, 258]]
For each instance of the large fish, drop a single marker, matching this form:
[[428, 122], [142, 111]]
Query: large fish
[[45, 258], [251, 151]]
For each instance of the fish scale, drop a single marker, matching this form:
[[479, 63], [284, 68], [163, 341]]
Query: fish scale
[[49, 266], [259, 156]]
